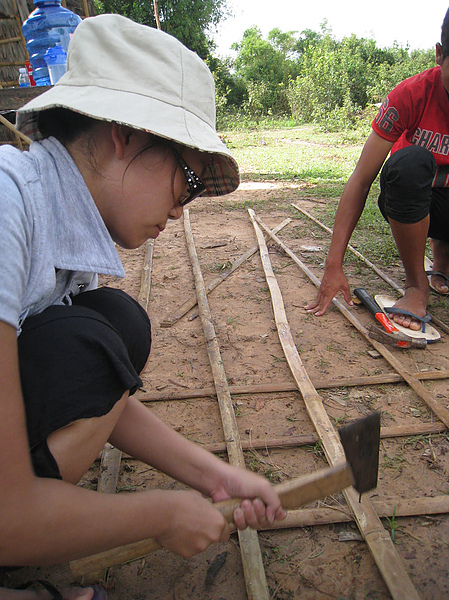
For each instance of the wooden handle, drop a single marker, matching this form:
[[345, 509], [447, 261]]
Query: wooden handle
[[293, 494]]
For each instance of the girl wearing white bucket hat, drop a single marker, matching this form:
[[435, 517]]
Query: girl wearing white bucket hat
[[123, 141]]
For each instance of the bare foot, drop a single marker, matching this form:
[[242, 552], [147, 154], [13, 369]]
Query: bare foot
[[440, 252], [415, 301], [75, 593]]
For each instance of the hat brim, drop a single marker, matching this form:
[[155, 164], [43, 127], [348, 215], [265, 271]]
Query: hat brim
[[148, 114]]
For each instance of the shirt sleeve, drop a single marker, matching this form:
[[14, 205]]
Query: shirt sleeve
[[15, 241], [393, 117]]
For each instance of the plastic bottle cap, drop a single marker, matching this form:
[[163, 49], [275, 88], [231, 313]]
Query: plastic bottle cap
[[55, 56]]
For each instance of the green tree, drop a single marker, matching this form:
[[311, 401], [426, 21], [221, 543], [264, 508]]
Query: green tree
[[191, 21], [265, 67], [339, 79]]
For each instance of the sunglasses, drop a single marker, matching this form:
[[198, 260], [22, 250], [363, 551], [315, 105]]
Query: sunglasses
[[195, 185]]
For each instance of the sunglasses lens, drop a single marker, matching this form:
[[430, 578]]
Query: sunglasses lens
[[195, 184]]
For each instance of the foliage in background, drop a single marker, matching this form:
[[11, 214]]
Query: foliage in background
[[313, 164], [309, 77], [315, 78], [191, 21]]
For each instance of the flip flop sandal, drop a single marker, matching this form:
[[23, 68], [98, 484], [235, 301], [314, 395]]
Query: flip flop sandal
[[428, 331], [99, 592], [430, 273]]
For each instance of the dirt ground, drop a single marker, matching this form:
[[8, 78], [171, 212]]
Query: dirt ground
[[311, 562]]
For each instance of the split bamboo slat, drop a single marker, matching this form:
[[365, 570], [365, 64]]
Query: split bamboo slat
[[255, 579], [441, 411], [20, 137], [368, 522], [189, 304], [399, 507], [111, 457], [285, 386], [311, 439], [145, 285], [376, 269]]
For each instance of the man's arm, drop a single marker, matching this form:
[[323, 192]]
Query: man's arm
[[351, 206]]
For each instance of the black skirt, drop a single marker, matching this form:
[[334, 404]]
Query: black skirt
[[77, 361]]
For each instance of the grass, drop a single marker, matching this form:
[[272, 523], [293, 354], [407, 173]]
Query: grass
[[302, 154], [319, 164]]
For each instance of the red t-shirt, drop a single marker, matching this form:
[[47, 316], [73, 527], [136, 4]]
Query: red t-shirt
[[417, 112]]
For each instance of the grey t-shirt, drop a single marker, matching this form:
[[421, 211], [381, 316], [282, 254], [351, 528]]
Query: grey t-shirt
[[53, 241]]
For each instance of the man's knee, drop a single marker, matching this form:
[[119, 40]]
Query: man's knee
[[406, 185]]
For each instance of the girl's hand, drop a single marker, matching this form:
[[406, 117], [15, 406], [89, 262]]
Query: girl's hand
[[261, 506], [192, 524]]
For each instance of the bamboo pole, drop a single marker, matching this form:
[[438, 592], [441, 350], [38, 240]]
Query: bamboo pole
[[17, 133], [441, 412], [286, 386], [307, 439], [255, 579], [381, 273], [145, 284], [295, 441], [191, 303], [156, 14], [401, 507], [379, 543], [10, 40]]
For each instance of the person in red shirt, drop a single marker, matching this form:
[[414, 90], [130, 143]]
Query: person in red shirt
[[412, 124]]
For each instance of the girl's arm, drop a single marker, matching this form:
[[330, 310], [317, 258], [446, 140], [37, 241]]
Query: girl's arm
[[45, 521], [144, 436]]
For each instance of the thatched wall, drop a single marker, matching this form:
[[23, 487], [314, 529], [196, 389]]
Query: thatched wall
[[13, 53]]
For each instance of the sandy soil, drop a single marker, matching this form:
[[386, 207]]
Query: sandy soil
[[310, 563]]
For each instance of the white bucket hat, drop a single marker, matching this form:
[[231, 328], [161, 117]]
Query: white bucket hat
[[118, 70]]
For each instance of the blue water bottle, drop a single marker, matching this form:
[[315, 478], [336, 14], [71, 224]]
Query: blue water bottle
[[50, 24]]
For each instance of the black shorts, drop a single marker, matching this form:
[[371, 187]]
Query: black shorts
[[406, 192], [77, 361]]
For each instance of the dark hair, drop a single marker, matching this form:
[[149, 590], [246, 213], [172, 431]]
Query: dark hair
[[63, 124], [67, 125], [445, 35]]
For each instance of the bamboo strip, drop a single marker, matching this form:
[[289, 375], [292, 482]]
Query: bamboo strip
[[111, 456], [17, 133], [381, 273], [13, 63], [310, 439], [380, 545], [255, 579], [305, 439], [145, 285], [285, 386], [10, 40], [402, 507], [189, 304], [413, 382], [109, 469]]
